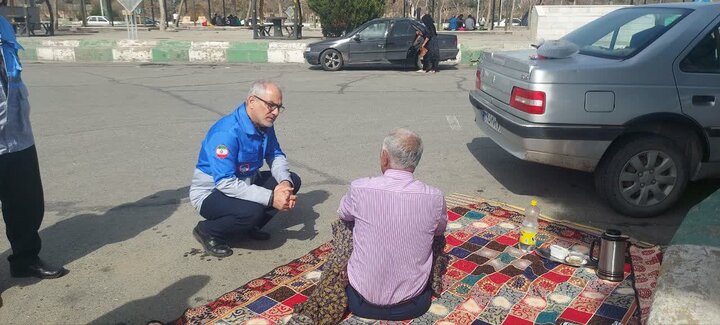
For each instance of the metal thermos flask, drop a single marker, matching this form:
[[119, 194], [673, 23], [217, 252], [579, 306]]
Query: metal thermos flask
[[611, 258]]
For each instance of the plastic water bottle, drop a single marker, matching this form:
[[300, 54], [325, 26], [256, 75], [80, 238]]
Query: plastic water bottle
[[529, 227]]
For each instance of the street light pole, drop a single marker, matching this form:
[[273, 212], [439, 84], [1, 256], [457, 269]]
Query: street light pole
[[28, 25]]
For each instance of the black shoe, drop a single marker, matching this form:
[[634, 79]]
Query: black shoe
[[37, 269], [257, 234], [213, 246]]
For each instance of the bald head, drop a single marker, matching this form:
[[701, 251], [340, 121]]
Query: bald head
[[404, 148]]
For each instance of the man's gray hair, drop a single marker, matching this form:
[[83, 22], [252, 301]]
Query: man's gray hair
[[404, 147], [259, 88]]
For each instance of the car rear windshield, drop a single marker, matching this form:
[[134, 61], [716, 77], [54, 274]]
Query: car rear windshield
[[625, 32]]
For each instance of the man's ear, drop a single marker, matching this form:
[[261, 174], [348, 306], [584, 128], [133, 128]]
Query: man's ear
[[250, 100], [384, 158]]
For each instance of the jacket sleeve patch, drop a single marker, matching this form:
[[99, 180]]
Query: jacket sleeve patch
[[222, 151]]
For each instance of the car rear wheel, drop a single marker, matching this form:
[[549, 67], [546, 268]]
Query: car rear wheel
[[331, 60], [643, 176]]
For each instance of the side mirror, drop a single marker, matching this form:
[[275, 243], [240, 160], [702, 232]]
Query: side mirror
[[357, 38]]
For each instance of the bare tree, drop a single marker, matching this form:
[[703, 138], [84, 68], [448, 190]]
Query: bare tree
[[53, 16], [510, 18], [180, 12], [488, 17], [163, 15], [249, 11]]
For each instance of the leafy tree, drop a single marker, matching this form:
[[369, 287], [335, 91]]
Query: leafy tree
[[341, 16]]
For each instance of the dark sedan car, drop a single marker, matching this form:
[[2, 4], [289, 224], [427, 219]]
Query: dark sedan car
[[383, 40]]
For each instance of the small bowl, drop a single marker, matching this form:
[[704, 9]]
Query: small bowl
[[576, 259]]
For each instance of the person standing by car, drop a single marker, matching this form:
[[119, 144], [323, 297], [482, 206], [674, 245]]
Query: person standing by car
[[21, 191], [419, 46], [432, 58]]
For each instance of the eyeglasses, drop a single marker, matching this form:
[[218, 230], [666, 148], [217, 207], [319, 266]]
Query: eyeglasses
[[272, 106]]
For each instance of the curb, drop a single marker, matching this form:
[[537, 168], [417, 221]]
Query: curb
[[178, 51], [688, 290]]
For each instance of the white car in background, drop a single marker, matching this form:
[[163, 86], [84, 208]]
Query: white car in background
[[98, 21]]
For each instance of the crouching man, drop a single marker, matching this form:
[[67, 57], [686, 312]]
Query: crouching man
[[229, 191]]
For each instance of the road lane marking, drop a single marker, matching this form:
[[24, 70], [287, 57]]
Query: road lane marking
[[453, 121]]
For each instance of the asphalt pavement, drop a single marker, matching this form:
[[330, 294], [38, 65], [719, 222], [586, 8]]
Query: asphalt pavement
[[117, 146]]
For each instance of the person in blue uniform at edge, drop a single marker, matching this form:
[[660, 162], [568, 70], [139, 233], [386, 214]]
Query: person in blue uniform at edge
[[21, 190], [229, 191]]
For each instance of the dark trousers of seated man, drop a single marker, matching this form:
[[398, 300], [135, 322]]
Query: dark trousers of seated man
[[227, 218], [408, 309]]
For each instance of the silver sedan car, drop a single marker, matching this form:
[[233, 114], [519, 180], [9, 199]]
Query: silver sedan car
[[637, 105]]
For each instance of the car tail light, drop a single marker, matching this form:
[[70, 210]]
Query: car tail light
[[478, 83], [529, 101]]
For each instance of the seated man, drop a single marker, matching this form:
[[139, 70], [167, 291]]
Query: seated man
[[227, 188], [470, 23], [396, 218], [453, 23]]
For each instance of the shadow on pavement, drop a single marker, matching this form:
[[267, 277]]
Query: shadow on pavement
[[75, 237], [304, 214], [574, 192], [173, 300]]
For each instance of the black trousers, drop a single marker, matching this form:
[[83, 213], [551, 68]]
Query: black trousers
[[431, 61], [409, 309], [227, 218], [23, 204]]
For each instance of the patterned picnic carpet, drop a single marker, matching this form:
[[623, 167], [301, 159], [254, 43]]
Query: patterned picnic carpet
[[488, 281]]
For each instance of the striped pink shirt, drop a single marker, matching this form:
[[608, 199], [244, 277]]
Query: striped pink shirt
[[396, 218]]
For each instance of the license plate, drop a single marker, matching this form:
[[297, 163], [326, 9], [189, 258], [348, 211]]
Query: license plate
[[491, 121]]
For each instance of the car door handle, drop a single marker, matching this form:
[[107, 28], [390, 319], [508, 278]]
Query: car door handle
[[703, 100], [380, 45]]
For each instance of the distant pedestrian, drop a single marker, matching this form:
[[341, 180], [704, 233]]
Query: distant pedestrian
[[419, 46], [432, 58]]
